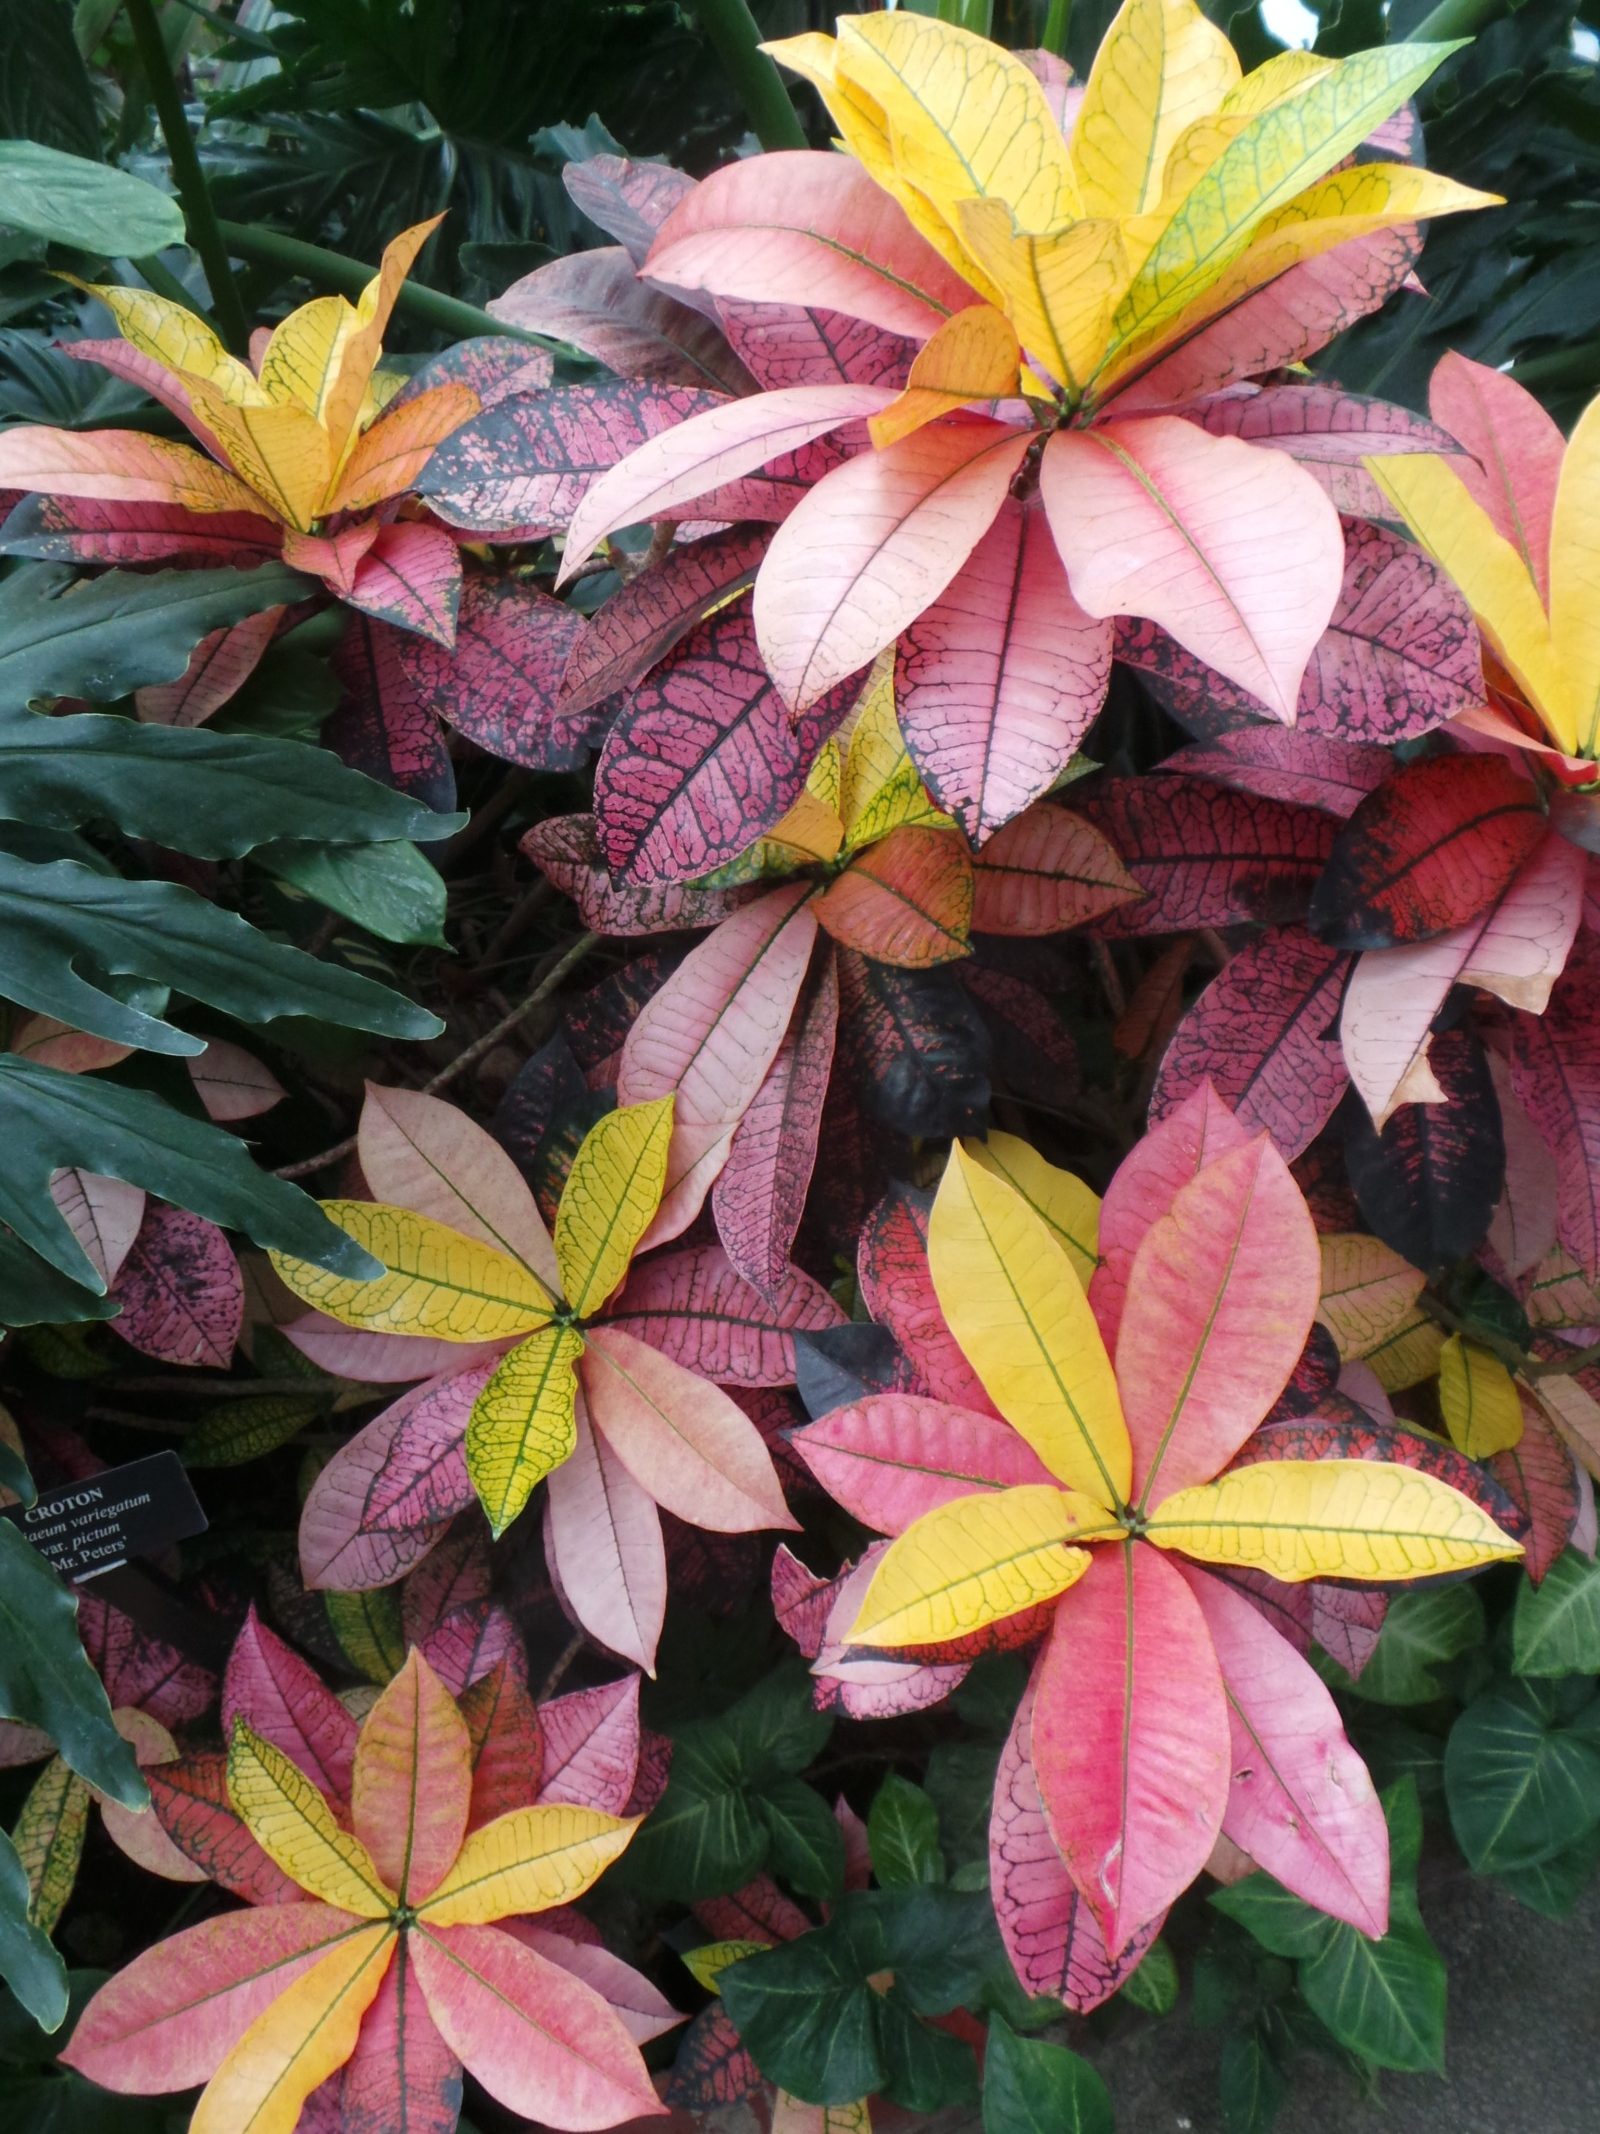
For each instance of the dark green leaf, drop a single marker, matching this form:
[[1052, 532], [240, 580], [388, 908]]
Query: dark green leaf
[[247, 1429], [903, 1835], [45, 1678], [1554, 1886], [960, 1783], [63, 923], [1033, 2088], [704, 1837], [1422, 1630], [68, 200], [1520, 1787], [1555, 1629], [808, 2016], [32, 1293], [1250, 2083], [1282, 1923], [1383, 1999], [367, 1626], [390, 889], [50, 1120], [806, 1847], [28, 1964], [775, 1730], [14, 1474], [1154, 1984], [924, 2070], [45, 91]]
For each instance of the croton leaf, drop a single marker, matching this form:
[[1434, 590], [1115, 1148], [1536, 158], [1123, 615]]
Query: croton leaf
[[379, 727], [916, 1044], [1555, 1071], [646, 617], [596, 302], [1428, 1184], [1205, 855], [1329, 432], [46, 1680], [181, 1291], [71, 529]]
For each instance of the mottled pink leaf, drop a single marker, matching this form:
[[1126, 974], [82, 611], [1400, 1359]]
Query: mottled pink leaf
[[591, 1746], [380, 727], [140, 1669], [1401, 654], [1000, 677], [1300, 1803], [630, 201], [103, 1214], [1555, 1071], [897, 1289], [1051, 1936], [180, 1290], [1329, 432], [508, 1743], [603, 1542], [759, 1911], [646, 617], [218, 668], [706, 756], [410, 578], [565, 850], [470, 1644], [801, 1604], [1346, 1621], [782, 345], [1308, 770], [1514, 453], [709, 1036], [494, 366], [807, 227], [284, 1700], [500, 684], [1524, 1227], [88, 530], [1539, 1473], [758, 1200], [190, 1798], [402, 2078], [893, 1456], [456, 1575], [596, 302], [875, 544], [1264, 1033]]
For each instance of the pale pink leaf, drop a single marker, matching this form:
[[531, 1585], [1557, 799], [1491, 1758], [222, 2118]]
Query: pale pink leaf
[[140, 1836], [418, 1152], [219, 666], [1515, 453], [596, 302], [591, 1746], [643, 2011], [382, 1359], [1346, 1621], [233, 1084], [893, 1456], [103, 1214], [1289, 764], [603, 1542]]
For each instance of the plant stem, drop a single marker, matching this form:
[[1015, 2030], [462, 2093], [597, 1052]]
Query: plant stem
[[732, 29], [1056, 25], [205, 232], [1455, 18], [335, 270], [165, 283]]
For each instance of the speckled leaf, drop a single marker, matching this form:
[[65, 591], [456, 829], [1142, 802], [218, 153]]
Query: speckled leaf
[[1329, 432], [1206, 856], [380, 727], [596, 302], [70, 529], [916, 1044], [1287, 763], [180, 1289], [646, 617], [500, 683], [1555, 1071]]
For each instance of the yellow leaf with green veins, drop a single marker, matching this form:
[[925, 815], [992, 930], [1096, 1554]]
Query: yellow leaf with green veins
[[349, 391], [1408, 1354], [524, 1422], [1059, 290], [1361, 1519], [1161, 65], [49, 1838], [282, 452], [1011, 1297], [1575, 580], [611, 1195], [706, 1964], [1194, 151], [436, 1281], [1071, 1208], [881, 788], [1368, 1291], [301, 360], [292, 1823], [528, 1861], [977, 1560], [171, 335], [973, 357], [1478, 1399]]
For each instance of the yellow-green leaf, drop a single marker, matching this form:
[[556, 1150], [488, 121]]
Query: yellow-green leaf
[[612, 1192], [528, 1861], [1161, 65], [292, 1823], [524, 1422], [881, 788], [436, 1281], [1071, 1208], [1478, 1399], [1013, 1300], [706, 1964], [1361, 1519], [975, 1561], [49, 1839], [1368, 1292]]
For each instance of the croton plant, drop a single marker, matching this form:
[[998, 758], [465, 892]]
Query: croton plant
[[1032, 715]]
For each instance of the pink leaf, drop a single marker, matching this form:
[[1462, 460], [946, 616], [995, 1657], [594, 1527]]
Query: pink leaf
[[1236, 552], [680, 466], [873, 545], [418, 1152], [139, 1669], [119, 467], [1130, 1738], [1047, 870], [1515, 449], [410, 577], [387, 1495], [455, 1576], [103, 1214], [1144, 1187], [219, 666], [180, 1289], [384, 1359], [646, 617], [867, 1685], [508, 1743], [897, 1289], [1542, 1477], [1345, 1622], [630, 201], [140, 1836], [705, 757], [761, 1195], [287, 1703], [709, 1036], [233, 1084], [1401, 654], [150, 375], [1524, 1226], [781, 345], [1050, 1934], [565, 850], [1306, 769], [402, 2077], [603, 1541], [190, 1798], [1221, 1296], [801, 1602], [1262, 1033], [1329, 432], [381, 727], [521, 466], [539, 2040], [500, 684], [681, 1438], [595, 301], [494, 367], [167, 2020], [643, 2012], [88, 530], [412, 1782], [999, 679], [803, 227], [1555, 1071], [591, 1752], [1301, 1803], [700, 1313], [893, 1456]]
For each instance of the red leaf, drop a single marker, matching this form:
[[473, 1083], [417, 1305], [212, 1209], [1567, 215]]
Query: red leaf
[[191, 1799], [508, 1743], [1286, 763], [1541, 1477], [180, 1289], [455, 1576], [712, 2067], [1047, 870], [646, 617], [411, 577], [897, 1289], [380, 727], [1265, 1034], [69, 529], [402, 2078], [706, 756], [1428, 851], [1205, 856], [287, 1703], [500, 684], [565, 850], [140, 1669]]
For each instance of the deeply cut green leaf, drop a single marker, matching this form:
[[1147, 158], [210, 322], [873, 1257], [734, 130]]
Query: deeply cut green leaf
[[45, 1677], [28, 1964]]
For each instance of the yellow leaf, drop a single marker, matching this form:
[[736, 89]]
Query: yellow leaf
[[301, 357], [1194, 151], [1368, 1292], [280, 451], [1452, 526], [809, 834], [1161, 65], [302, 2038], [172, 336], [791, 2116], [436, 1281], [524, 1422], [1013, 1300], [1059, 291], [1478, 1400], [964, 116], [975, 1561], [882, 788], [1300, 1519], [48, 1836], [1408, 1354], [825, 779], [1575, 579], [706, 1964], [973, 356], [612, 1191], [528, 1861], [1278, 154], [293, 1824], [1070, 1208], [357, 358]]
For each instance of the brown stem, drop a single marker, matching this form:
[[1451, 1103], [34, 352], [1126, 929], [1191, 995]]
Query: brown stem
[[564, 1659]]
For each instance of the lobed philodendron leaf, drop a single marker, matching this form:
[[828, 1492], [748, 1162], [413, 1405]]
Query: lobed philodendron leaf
[[28, 1964], [45, 1678]]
